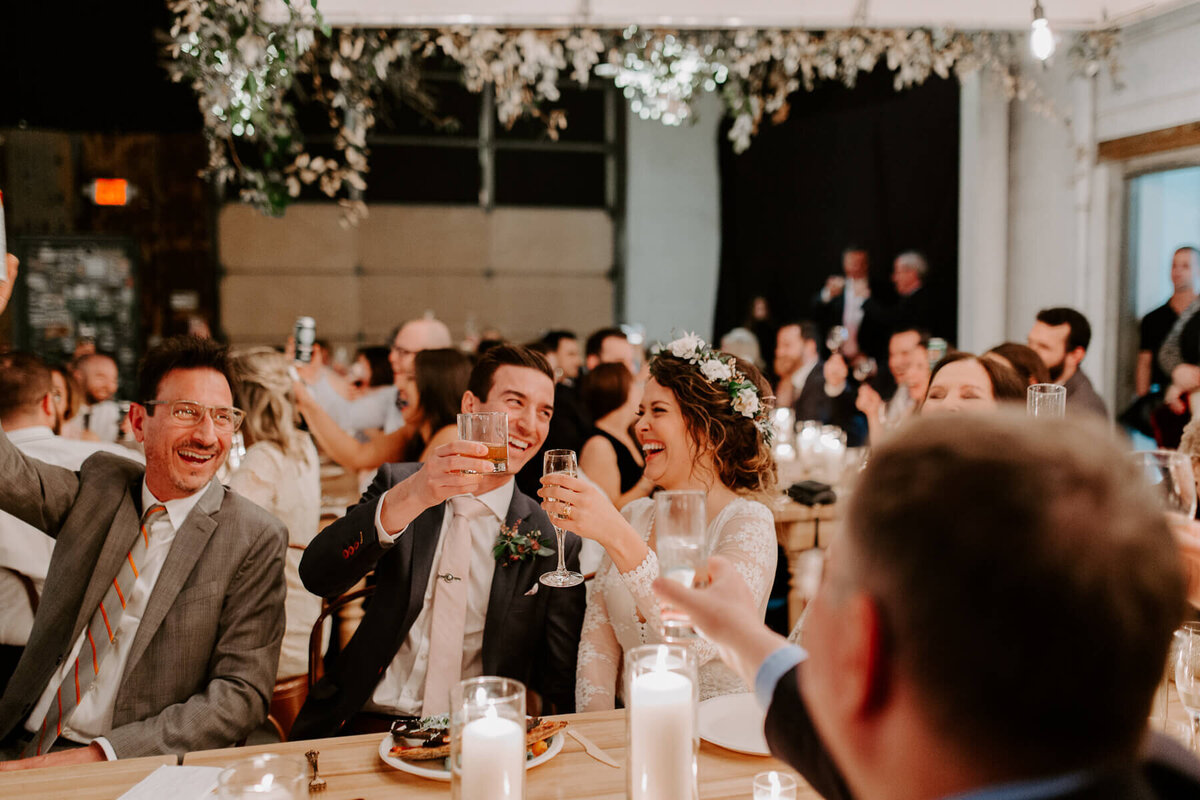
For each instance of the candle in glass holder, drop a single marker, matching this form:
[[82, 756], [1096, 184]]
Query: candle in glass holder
[[774, 785], [662, 692], [487, 739]]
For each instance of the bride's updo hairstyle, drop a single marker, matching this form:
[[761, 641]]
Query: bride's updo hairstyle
[[740, 453]]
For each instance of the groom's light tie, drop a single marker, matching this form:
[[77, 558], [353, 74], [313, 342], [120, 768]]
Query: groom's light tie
[[449, 612], [99, 638]]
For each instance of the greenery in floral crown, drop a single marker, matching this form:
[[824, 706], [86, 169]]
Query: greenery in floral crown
[[513, 546], [721, 369]]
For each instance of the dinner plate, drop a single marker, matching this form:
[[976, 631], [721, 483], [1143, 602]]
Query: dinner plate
[[735, 722], [437, 771]]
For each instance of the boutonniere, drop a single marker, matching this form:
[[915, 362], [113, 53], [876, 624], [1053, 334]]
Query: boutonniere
[[513, 546]]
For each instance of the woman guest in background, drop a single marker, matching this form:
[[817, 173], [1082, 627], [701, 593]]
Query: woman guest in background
[[703, 424], [966, 382], [609, 456], [434, 395], [281, 473], [1028, 365], [371, 370]]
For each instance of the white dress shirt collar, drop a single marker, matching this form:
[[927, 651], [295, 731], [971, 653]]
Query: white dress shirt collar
[[177, 509]]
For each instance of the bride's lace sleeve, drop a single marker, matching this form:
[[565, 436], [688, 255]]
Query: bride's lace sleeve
[[746, 538], [599, 652]]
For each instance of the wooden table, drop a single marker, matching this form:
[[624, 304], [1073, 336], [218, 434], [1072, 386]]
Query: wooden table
[[353, 769], [104, 780], [801, 529]]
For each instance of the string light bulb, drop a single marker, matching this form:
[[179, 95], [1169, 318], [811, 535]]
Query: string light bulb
[[1041, 38]]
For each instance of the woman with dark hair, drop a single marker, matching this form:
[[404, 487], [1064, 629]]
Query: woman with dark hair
[[371, 368], [703, 424], [434, 395], [1028, 365], [609, 456], [967, 382]]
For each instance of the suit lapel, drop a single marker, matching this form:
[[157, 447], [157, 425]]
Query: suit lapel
[[125, 525], [507, 583], [186, 549]]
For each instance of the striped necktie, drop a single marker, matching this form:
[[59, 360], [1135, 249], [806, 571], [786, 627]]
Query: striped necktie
[[100, 636]]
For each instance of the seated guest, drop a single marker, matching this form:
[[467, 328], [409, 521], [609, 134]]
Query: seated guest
[[100, 415], [1060, 336], [31, 417], [190, 662], [281, 473], [433, 389], [966, 382], [916, 682], [742, 342], [1022, 358], [698, 433], [371, 370], [564, 356], [800, 369], [443, 609], [908, 363], [609, 457], [67, 396]]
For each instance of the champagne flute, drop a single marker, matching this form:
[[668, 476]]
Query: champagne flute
[[680, 532], [560, 462], [1187, 675]]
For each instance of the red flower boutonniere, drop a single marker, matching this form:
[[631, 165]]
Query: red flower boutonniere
[[513, 546]]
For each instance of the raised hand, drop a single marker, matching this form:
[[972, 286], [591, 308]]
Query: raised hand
[[6, 286]]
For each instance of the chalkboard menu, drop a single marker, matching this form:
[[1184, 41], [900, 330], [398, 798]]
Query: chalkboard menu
[[75, 288]]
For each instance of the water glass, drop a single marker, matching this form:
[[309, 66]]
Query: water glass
[[774, 785], [490, 428], [1046, 400], [681, 532], [265, 777], [487, 739], [1169, 474], [662, 735], [1187, 675]]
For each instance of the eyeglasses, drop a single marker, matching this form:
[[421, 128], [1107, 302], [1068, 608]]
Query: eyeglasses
[[225, 418], [402, 352]]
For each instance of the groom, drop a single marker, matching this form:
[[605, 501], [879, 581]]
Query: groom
[[443, 608]]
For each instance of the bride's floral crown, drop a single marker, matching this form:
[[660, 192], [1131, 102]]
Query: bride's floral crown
[[721, 369]]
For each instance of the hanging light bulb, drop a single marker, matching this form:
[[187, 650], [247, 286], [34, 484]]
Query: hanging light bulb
[[1041, 38]]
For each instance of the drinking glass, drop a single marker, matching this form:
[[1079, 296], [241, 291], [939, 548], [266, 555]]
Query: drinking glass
[[490, 428], [560, 462], [1170, 475], [680, 531], [662, 694], [487, 739], [1046, 400], [774, 785], [865, 369], [265, 777], [837, 338], [1187, 675]]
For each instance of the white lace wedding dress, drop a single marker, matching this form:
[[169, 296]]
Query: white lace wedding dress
[[622, 611]]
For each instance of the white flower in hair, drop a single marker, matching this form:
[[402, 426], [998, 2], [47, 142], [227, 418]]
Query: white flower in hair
[[687, 347], [714, 370], [746, 402]]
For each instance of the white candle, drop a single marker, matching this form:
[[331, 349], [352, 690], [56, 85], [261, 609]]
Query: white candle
[[493, 758], [661, 724]]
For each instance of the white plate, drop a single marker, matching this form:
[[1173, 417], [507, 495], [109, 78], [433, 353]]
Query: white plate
[[735, 722], [436, 770]]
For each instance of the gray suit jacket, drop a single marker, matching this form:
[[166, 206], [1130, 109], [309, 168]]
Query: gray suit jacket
[[202, 667]]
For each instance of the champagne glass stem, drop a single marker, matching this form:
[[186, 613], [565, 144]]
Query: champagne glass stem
[[558, 534]]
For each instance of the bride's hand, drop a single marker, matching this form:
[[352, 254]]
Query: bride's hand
[[589, 511]]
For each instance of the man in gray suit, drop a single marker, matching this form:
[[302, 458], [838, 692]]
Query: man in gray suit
[[189, 659]]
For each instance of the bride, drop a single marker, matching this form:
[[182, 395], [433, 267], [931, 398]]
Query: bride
[[703, 423]]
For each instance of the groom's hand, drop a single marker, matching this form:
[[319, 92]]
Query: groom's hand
[[455, 468]]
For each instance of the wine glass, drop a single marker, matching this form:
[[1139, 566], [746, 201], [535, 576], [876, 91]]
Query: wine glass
[[680, 531], [560, 462], [1187, 674], [865, 369], [1170, 475]]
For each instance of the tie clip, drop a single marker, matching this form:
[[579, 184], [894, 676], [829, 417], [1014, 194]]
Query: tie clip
[[447, 577]]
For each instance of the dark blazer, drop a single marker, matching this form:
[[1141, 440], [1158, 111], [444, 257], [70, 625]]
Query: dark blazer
[[533, 638], [202, 668], [910, 311], [1166, 770], [873, 332], [812, 402]]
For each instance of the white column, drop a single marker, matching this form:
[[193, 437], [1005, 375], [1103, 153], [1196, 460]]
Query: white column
[[982, 214]]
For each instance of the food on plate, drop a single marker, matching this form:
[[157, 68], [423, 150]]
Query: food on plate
[[428, 738]]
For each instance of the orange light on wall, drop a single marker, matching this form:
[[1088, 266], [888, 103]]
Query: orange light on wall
[[111, 192]]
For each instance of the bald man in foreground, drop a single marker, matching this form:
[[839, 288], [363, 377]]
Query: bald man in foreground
[[992, 623]]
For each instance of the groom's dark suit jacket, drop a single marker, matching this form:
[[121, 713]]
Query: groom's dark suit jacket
[[531, 636], [1165, 771]]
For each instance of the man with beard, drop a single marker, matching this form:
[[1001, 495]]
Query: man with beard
[[1060, 336], [100, 414], [29, 414]]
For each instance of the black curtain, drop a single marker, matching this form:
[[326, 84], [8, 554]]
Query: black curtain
[[868, 165]]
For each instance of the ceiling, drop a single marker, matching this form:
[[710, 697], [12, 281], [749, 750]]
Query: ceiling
[[812, 14]]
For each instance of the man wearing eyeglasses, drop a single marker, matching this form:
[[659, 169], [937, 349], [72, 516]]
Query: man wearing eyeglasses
[[162, 615]]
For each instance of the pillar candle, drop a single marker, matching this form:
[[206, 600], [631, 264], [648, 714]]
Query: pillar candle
[[661, 754], [493, 759]]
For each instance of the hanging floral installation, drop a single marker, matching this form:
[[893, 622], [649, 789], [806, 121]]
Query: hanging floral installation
[[244, 69]]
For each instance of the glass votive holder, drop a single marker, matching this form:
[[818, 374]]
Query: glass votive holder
[[662, 694], [774, 785], [487, 739], [265, 777]]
